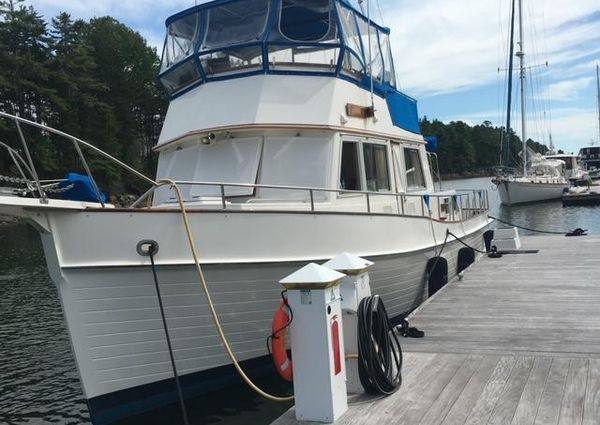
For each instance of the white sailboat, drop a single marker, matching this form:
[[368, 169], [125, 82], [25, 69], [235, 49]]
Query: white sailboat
[[544, 180], [290, 143]]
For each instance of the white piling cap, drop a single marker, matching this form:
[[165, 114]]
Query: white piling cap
[[312, 276], [348, 263]]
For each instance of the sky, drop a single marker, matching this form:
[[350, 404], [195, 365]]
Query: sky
[[452, 57]]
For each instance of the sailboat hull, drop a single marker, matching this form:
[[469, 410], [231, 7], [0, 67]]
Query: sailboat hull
[[513, 192]]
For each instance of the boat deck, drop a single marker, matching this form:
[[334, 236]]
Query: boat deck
[[515, 341]]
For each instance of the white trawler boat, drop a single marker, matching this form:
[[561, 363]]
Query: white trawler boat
[[291, 144]]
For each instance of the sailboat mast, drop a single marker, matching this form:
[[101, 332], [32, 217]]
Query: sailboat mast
[[598, 89], [506, 154], [521, 55]]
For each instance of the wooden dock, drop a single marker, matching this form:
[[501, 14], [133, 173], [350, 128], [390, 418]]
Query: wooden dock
[[515, 341]]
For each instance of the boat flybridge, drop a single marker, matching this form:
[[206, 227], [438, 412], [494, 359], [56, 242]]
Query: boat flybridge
[[286, 141]]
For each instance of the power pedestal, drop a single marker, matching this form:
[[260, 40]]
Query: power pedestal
[[355, 287], [316, 334]]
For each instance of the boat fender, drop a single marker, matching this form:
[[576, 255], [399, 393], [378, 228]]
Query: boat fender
[[437, 274], [281, 358], [466, 257], [487, 239]]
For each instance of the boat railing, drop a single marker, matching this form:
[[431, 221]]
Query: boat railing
[[28, 171], [450, 206], [455, 205]]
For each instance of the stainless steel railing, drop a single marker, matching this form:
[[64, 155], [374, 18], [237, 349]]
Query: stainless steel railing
[[29, 165], [451, 205]]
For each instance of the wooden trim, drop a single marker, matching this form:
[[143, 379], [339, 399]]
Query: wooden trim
[[246, 127], [358, 111]]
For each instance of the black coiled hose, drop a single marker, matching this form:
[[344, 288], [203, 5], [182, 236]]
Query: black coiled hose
[[379, 352]]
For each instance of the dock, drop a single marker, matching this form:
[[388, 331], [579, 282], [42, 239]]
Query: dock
[[515, 340]]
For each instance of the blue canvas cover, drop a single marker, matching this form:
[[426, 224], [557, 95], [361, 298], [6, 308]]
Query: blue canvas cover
[[403, 110], [82, 190], [432, 143]]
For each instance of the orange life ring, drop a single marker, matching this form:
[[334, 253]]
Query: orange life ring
[[283, 363]]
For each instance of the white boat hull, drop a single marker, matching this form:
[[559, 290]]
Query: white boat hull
[[519, 192], [111, 308]]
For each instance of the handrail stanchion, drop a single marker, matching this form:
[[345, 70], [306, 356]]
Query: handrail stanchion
[[368, 203], [397, 204], [88, 172], [312, 200], [422, 206], [223, 203], [31, 166], [403, 200]]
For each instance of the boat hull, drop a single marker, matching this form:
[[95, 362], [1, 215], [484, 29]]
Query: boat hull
[[111, 307], [517, 192]]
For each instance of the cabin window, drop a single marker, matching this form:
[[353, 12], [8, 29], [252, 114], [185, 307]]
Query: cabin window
[[304, 20], [415, 178], [227, 160], [376, 167], [295, 161], [350, 169]]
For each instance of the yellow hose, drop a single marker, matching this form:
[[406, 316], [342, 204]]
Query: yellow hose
[[234, 360]]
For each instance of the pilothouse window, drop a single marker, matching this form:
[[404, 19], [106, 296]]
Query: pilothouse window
[[414, 169], [304, 20], [376, 167], [350, 171]]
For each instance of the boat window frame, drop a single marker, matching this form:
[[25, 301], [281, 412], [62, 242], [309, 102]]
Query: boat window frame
[[362, 166], [408, 189], [359, 162]]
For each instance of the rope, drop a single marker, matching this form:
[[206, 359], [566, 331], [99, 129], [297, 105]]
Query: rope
[[151, 251], [211, 305], [379, 351], [550, 232], [464, 243]]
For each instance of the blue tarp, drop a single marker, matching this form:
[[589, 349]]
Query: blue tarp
[[432, 143], [82, 190], [403, 110]]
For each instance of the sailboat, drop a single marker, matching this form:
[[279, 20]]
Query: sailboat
[[543, 179]]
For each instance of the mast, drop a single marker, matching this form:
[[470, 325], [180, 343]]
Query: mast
[[598, 89], [521, 55], [510, 80]]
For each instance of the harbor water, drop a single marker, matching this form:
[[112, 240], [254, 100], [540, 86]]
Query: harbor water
[[38, 378]]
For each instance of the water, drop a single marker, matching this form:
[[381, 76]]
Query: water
[[549, 216], [38, 378]]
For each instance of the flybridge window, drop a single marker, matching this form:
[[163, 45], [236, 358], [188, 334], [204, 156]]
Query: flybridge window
[[376, 167], [350, 170], [414, 169], [235, 23], [305, 20], [370, 43], [181, 40]]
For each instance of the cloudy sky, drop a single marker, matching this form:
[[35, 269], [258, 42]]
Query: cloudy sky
[[448, 53]]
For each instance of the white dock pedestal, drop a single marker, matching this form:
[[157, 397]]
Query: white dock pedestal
[[355, 287], [314, 296]]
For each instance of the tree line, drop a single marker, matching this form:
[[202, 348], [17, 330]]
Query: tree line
[[97, 80], [468, 150]]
